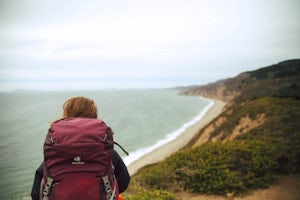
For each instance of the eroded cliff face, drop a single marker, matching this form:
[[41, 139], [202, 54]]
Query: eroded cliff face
[[205, 134], [224, 90], [245, 125]]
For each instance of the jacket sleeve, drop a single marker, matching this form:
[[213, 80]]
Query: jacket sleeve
[[35, 191], [121, 172]]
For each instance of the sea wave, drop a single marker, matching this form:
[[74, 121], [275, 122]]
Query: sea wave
[[135, 155]]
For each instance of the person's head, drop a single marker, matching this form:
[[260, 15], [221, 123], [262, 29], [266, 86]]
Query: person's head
[[79, 107]]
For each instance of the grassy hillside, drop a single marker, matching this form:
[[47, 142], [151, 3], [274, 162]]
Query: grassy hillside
[[255, 139], [281, 80]]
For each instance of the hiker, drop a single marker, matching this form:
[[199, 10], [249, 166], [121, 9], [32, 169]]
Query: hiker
[[85, 111]]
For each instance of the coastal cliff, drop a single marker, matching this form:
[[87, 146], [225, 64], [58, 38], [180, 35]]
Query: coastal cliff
[[253, 141], [281, 80], [254, 102]]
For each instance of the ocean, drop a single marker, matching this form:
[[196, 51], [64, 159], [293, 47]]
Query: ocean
[[142, 120]]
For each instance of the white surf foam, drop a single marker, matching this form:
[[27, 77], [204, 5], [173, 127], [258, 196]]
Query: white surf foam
[[135, 155]]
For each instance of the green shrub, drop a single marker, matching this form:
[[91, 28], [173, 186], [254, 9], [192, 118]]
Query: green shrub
[[215, 168], [143, 194]]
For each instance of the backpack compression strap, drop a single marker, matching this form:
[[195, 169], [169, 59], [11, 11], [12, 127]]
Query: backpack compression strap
[[110, 195], [46, 190]]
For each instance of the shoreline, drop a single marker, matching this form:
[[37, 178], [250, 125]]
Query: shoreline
[[166, 150]]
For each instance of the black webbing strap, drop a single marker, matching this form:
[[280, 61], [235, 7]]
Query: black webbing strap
[[122, 148]]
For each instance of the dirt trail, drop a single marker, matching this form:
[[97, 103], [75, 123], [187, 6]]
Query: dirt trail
[[288, 188]]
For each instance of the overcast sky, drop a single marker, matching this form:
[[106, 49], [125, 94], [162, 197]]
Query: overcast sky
[[75, 44]]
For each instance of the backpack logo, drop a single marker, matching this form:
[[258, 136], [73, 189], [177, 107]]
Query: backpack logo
[[77, 161]]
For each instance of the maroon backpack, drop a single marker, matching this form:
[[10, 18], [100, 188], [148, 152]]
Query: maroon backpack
[[77, 161]]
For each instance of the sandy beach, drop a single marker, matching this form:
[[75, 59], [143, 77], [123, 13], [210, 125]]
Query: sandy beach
[[166, 150]]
